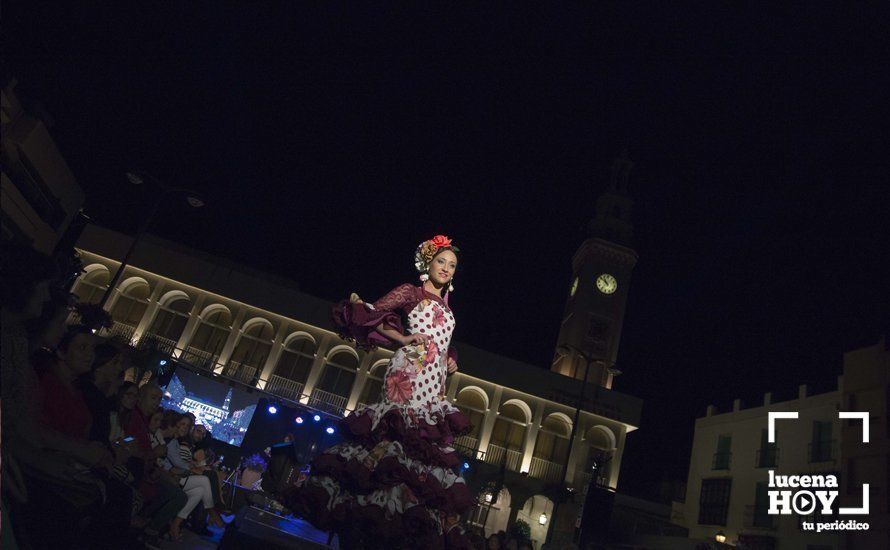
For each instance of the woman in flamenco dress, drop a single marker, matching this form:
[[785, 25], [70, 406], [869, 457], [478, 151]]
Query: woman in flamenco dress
[[391, 483]]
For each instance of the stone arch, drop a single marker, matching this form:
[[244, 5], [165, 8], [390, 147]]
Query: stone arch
[[250, 324], [93, 272], [601, 437], [375, 369], [213, 308], [558, 416], [128, 286], [531, 512], [342, 348], [171, 296], [302, 335], [522, 405], [477, 392]]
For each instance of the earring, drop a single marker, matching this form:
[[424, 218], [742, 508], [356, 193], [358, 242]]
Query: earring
[[424, 277], [450, 287]]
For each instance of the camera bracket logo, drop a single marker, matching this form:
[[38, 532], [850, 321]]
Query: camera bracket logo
[[806, 494]]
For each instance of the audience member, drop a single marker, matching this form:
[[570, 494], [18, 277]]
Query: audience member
[[99, 387], [125, 402]]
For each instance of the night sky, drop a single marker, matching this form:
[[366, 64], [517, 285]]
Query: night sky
[[330, 140]]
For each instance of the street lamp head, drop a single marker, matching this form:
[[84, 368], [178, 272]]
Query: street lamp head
[[613, 371], [720, 537], [542, 519], [135, 178], [195, 202]]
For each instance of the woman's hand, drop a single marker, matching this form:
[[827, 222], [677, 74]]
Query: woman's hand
[[452, 365], [416, 338]]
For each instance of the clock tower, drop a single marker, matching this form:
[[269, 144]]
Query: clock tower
[[598, 288]]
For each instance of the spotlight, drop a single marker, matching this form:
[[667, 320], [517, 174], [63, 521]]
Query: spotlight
[[317, 418], [273, 409], [162, 362], [329, 429], [466, 465], [298, 420]]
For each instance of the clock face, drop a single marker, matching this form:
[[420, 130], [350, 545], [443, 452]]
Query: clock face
[[574, 287], [606, 283]]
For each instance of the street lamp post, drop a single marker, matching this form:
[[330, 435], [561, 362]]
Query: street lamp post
[[138, 179], [566, 350]]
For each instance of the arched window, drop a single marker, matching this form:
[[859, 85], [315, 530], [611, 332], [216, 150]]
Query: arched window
[[374, 384], [471, 403], [339, 374], [254, 344], [600, 443], [213, 330], [509, 428], [92, 285], [132, 302], [552, 442], [296, 359], [171, 319]]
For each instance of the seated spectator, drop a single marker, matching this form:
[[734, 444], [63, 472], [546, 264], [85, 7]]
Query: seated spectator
[[99, 387], [64, 408], [125, 402], [164, 497], [197, 487]]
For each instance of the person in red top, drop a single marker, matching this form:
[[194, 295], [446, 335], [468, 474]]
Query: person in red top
[[64, 408], [163, 495]]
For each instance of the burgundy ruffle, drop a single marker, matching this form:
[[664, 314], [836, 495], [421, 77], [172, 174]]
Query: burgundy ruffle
[[355, 322], [420, 443]]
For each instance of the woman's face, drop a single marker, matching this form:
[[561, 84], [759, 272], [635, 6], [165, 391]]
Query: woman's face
[[80, 353], [183, 427], [442, 267], [128, 399], [155, 422]]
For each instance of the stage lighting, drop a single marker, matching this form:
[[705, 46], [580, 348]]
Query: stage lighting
[[273, 409], [163, 362], [317, 418], [329, 429], [298, 420], [466, 465]]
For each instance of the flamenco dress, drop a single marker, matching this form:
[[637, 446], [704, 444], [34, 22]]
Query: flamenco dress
[[392, 483]]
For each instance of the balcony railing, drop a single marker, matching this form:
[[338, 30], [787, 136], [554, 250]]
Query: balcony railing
[[823, 451], [496, 454], [327, 401], [240, 372], [756, 517], [468, 446], [284, 387], [721, 461], [198, 358], [120, 330], [167, 345], [544, 469], [767, 458]]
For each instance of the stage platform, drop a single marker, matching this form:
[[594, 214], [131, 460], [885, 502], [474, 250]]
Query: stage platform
[[252, 527]]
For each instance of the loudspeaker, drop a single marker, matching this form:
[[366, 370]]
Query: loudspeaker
[[256, 528]]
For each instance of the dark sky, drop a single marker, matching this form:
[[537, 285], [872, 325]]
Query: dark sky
[[330, 140]]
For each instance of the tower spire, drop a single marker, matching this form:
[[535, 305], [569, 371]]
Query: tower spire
[[612, 217]]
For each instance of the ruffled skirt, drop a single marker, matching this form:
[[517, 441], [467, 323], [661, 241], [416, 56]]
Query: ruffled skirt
[[390, 483]]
